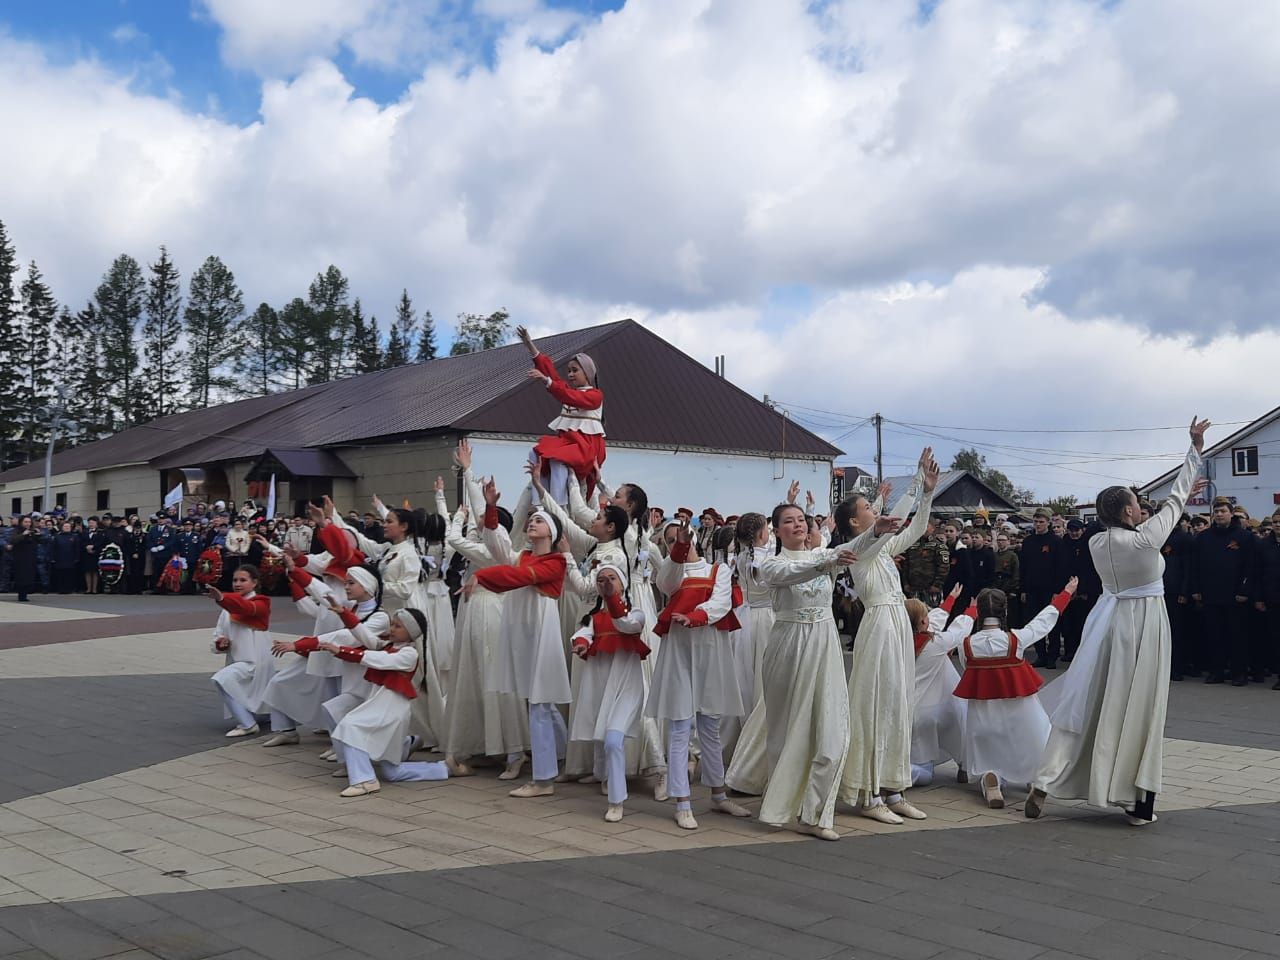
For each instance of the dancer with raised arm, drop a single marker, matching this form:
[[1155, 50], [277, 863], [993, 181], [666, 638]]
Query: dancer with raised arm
[[574, 454], [1108, 711], [529, 661], [878, 768], [242, 635]]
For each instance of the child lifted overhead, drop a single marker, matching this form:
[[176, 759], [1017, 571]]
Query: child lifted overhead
[[578, 448]]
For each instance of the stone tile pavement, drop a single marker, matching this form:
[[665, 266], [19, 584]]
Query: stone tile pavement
[[129, 828]]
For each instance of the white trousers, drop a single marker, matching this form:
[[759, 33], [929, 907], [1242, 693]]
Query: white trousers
[[611, 764], [360, 766], [547, 739], [281, 723], [557, 483], [711, 763], [239, 714]]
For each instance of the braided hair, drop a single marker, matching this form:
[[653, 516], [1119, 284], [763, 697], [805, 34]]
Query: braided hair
[[1111, 503], [993, 605], [748, 528]]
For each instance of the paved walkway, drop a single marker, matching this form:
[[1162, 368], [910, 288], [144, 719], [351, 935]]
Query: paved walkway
[[129, 827]]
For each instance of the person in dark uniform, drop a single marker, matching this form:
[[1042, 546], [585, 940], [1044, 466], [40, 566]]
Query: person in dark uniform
[[957, 566], [925, 566], [1220, 566], [1266, 595], [1177, 598], [22, 552], [1043, 565], [982, 561], [134, 547], [1079, 565]]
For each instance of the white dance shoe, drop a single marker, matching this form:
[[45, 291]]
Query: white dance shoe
[[242, 731], [361, 789], [614, 813], [282, 739]]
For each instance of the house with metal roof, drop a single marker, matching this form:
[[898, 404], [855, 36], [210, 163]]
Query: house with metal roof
[[1243, 467], [959, 495], [688, 435]]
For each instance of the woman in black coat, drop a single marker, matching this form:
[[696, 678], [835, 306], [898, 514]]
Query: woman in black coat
[[22, 550], [66, 559]]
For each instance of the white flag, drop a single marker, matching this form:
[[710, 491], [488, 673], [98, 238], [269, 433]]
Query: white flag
[[174, 497], [271, 499]]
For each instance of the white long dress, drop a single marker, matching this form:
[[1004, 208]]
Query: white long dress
[[529, 661], [371, 633], [1007, 737], [749, 770], [1108, 717], [804, 689], [883, 673], [937, 716], [299, 688], [380, 723], [431, 596], [610, 694], [695, 671], [249, 664], [480, 722]]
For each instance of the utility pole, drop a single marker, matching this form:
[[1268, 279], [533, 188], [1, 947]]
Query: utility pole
[[56, 415], [878, 421]]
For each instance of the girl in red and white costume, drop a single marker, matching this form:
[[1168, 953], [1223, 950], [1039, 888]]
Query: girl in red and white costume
[[242, 634], [1006, 727], [529, 661], [611, 686], [937, 716], [578, 448], [377, 731]]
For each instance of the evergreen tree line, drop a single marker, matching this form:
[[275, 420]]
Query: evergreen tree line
[[140, 349]]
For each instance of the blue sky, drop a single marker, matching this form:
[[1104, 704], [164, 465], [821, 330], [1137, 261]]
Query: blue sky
[[170, 47]]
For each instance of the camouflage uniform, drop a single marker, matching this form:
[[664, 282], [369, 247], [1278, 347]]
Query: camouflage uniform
[[924, 569], [1009, 579]]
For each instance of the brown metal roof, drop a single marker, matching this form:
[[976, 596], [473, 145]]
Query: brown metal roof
[[654, 394]]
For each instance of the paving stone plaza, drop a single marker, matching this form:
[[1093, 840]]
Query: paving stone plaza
[[130, 828]]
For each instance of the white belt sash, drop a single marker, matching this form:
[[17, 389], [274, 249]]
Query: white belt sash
[[1067, 698]]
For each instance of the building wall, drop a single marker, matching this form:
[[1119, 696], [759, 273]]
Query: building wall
[[1256, 493], [77, 486], [732, 483]]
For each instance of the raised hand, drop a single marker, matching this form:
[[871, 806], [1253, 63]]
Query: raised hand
[[329, 508], [491, 493], [793, 491], [534, 470], [931, 470], [439, 485], [887, 524], [956, 591], [886, 489], [1071, 586], [377, 503], [1198, 427], [684, 534], [527, 340], [315, 513], [1198, 487]]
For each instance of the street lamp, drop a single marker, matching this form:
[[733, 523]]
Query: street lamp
[[56, 417]]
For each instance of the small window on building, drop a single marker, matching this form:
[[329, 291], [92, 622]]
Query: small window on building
[[104, 499], [60, 500], [1244, 462], [15, 505], [37, 504]]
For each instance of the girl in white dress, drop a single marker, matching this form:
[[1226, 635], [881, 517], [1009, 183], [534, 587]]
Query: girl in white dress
[[748, 770], [295, 695], [480, 723], [1006, 726], [807, 705], [529, 661], [610, 695], [723, 550], [937, 716], [242, 635], [878, 768], [694, 678], [1108, 710]]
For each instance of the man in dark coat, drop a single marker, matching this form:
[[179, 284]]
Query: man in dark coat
[[1079, 564], [1177, 598], [1042, 563], [22, 552], [1220, 567], [1266, 595]]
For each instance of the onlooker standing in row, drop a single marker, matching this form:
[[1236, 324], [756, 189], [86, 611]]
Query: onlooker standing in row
[[1043, 564], [1177, 599], [1220, 567], [1079, 565], [66, 558], [22, 551]]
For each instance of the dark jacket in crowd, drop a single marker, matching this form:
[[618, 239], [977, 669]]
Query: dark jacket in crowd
[[23, 555], [959, 569], [1080, 564], [1266, 583], [1221, 563], [1042, 563], [67, 548], [982, 569], [1177, 563]]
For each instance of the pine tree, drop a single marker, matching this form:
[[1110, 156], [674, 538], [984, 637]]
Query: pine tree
[[260, 356], [297, 339], [366, 341], [9, 323], [331, 326], [214, 304], [81, 370], [476, 332], [119, 301], [427, 348], [35, 359], [159, 390], [400, 341]]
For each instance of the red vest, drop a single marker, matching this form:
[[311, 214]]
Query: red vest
[[693, 592], [397, 680], [608, 639], [253, 612], [997, 678], [921, 640]]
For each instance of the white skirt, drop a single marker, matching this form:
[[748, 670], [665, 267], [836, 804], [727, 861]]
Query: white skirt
[[529, 661], [695, 674], [1006, 737], [880, 691], [481, 723], [439, 611], [377, 726], [610, 696], [246, 682], [938, 716], [296, 693]]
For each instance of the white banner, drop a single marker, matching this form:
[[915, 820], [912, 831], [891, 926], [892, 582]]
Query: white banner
[[174, 497], [271, 499]]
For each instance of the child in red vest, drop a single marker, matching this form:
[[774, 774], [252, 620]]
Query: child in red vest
[[1006, 728], [937, 717], [694, 678], [577, 450], [242, 634]]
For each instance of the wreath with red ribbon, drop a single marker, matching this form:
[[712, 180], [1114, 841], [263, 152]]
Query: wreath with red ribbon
[[209, 566]]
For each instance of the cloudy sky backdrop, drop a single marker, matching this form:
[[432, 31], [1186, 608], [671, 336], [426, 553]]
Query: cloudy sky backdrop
[[989, 221]]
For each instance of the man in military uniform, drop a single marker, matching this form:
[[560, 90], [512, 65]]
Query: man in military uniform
[[1043, 563], [925, 566], [1008, 576]]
